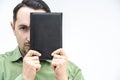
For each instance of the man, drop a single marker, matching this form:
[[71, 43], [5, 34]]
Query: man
[[20, 64]]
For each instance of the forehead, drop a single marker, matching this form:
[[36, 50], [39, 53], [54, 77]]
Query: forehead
[[24, 13], [26, 10]]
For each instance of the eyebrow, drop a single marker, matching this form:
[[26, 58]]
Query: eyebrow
[[23, 25]]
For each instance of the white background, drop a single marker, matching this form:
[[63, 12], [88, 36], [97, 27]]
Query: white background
[[91, 34]]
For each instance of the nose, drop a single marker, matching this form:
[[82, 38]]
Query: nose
[[28, 36]]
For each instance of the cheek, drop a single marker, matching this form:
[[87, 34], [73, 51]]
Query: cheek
[[20, 38]]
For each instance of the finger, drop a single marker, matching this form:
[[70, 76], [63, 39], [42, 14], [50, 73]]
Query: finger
[[36, 62], [58, 52], [38, 66], [60, 61], [55, 59], [35, 57], [32, 52], [59, 57], [54, 64]]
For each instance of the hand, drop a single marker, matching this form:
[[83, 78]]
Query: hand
[[31, 65], [59, 64]]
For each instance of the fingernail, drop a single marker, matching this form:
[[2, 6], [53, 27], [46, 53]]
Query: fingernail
[[52, 54]]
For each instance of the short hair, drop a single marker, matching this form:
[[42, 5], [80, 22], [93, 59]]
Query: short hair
[[34, 4]]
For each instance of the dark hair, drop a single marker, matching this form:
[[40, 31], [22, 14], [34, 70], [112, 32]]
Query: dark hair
[[35, 4]]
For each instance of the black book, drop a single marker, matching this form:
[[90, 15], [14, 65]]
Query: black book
[[45, 33]]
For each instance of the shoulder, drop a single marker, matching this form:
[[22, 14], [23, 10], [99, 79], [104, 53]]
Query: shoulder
[[72, 66], [74, 71], [6, 54], [10, 54], [3, 58]]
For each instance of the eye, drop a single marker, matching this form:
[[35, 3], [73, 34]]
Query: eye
[[23, 27]]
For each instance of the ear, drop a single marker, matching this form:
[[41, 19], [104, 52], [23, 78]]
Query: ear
[[13, 27]]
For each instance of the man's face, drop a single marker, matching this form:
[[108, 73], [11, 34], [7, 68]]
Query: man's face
[[21, 28]]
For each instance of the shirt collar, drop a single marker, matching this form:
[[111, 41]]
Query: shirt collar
[[49, 61], [16, 55]]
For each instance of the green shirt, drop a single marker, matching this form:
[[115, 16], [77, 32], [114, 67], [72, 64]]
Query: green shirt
[[11, 68]]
